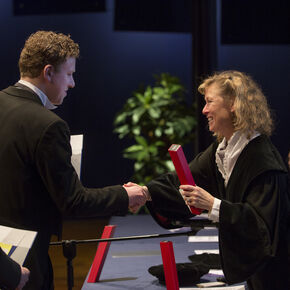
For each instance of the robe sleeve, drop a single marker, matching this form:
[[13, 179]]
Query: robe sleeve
[[167, 206], [250, 231]]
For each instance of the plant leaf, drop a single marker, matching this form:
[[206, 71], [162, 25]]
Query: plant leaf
[[158, 132], [137, 113], [141, 140], [154, 112]]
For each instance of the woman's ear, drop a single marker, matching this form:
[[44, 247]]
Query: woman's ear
[[48, 71]]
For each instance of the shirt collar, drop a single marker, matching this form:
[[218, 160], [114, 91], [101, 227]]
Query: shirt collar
[[44, 99], [227, 153]]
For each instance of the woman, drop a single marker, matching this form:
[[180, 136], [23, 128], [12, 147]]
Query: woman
[[241, 181]]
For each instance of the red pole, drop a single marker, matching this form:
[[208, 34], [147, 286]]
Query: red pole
[[169, 265], [101, 255]]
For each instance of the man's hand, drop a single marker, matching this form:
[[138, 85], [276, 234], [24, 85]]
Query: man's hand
[[137, 195], [23, 278]]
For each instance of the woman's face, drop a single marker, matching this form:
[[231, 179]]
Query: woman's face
[[218, 112]]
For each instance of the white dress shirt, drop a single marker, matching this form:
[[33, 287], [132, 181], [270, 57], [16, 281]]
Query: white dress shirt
[[44, 99]]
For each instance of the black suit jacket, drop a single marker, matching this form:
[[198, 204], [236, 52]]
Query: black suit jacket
[[38, 184]]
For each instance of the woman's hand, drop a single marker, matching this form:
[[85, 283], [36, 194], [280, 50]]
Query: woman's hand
[[197, 197]]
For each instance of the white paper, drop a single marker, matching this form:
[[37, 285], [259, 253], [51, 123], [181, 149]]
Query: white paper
[[209, 251], [76, 142], [183, 229], [198, 239], [239, 287], [210, 284], [21, 239], [4, 232], [216, 272], [208, 228]]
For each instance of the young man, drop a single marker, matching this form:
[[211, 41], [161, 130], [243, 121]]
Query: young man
[[38, 182]]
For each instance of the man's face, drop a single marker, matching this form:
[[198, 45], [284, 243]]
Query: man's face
[[61, 81]]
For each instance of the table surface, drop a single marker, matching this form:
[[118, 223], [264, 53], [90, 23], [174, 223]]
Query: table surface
[[127, 262]]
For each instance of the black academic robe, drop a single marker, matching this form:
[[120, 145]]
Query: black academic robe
[[38, 184], [9, 272], [254, 212]]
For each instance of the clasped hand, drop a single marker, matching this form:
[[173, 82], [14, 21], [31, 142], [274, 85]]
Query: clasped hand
[[197, 197], [137, 195]]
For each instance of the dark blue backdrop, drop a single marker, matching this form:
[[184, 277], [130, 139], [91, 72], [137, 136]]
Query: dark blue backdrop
[[114, 63]]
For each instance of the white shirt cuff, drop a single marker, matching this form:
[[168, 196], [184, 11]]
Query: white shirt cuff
[[214, 214]]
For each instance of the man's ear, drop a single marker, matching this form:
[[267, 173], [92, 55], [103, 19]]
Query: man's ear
[[48, 71]]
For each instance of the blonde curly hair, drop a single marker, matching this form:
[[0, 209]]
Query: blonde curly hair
[[45, 47], [251, 112]]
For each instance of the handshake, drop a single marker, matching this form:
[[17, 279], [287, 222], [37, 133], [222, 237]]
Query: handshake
[[138, 195]]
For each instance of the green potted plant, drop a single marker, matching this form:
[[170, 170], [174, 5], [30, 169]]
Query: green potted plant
[[154, 118]]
